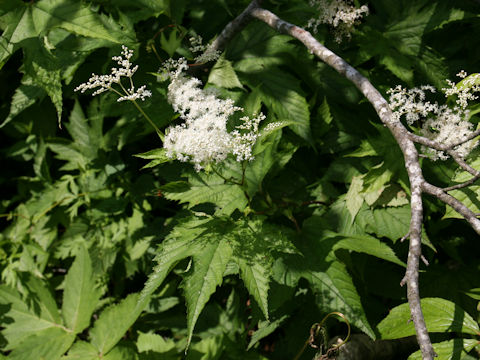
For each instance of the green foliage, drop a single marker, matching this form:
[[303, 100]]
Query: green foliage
[[109, 249]]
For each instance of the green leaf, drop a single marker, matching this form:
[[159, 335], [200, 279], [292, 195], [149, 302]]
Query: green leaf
[[158, 156], [335, 291], [34, 20], [45, 306], [78, 18], [113, 323], [354, 199], [223, 75], [179, 244], [208, 267], [43, 68], [469, 197], [81, 350], [440, 316], [281, 92], [46, 344], [256, 277], [393, 223], [80, 296], [369, 245], [25, 322], [154, 342], [449, 350], [265, 328], [86, 140], [25, 95], [211, 188]]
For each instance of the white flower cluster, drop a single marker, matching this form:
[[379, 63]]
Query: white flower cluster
[[203, 137], [208, 53], [104, 82], [441, 123], [339, 14]]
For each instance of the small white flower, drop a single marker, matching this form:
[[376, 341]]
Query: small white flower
[[341, 15], [104, 82], [441, 123], [203, 137]]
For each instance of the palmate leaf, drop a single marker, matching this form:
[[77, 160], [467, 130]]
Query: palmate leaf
[[33, 20], [440, 316], [209, 264], [80, 295], [210, 188], [179, 244]]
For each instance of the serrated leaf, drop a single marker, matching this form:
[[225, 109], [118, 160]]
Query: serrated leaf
[[34, 20], [279, 91], [208, 267], [354, 199], [440, 316], [369, 245], [79, 130], [393, 223], [25, 95], [121, 352], [336, 292], [154, 342], [179, 244], [80, 295], [25, 322], [113, 323], [223, 75], [329, 278], [211, 188], [45, 306], [43, 68], [81, 350], [158, 156], [46, 344], [79, 19], [265, 328], [256, 277], [470, 197], [449, 350]]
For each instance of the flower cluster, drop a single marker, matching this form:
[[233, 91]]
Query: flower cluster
[[104, 83], [446, 125], [339, 14], [207, 52], [203, 137]]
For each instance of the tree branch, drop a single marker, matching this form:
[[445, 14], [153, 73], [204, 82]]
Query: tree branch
[[457, 205]]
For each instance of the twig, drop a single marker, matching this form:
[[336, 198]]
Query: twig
[[438, 146], [462, 185], [457, 205]]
